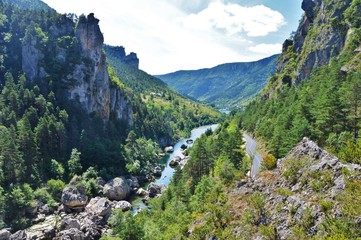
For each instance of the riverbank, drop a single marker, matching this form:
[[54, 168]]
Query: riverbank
[[168, 172]]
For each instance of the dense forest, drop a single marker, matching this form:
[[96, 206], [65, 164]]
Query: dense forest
[[47, 138]]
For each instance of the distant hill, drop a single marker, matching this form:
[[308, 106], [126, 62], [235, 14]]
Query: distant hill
[[225, 84], [29, 5]]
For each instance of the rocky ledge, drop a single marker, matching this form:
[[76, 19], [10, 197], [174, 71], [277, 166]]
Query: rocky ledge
[[308, 190]]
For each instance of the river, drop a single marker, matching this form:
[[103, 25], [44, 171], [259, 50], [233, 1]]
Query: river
[[168, 172]]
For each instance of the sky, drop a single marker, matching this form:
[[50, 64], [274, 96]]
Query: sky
[[171, 35]]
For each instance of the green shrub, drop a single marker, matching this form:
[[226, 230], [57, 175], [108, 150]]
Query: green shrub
[[44, 196], [55, 187], [269, 161], [326, 206]]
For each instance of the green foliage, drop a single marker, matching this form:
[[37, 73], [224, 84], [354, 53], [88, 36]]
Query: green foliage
[[326, 205], [18, 200], [140, 154], [351, 152], [224, 169], [74, 164], [92, 188], [269, 161], [56, 169], [44, 196], [353, 13], [125, 226], [55, 187], [292, 168]]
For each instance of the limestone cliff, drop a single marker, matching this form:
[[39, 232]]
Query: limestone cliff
[[321, 35], [78, 53], [119, 52]]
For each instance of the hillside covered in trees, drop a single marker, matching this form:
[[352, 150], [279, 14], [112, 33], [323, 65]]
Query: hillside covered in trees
[[65, 110], [226, 85]]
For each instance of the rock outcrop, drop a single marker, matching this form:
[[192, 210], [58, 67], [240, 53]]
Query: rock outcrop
[[116, 189], [155, 189], [4, 234], [119, 52], [74, 195], [86, 79], [304, 190], [93, 88], [321, 35], [99, 207]]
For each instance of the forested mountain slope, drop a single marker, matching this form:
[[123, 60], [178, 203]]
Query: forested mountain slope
[[224, 85], [316, 90], [65, 111]]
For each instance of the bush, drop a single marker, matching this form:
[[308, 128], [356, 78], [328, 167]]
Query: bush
[[326, 206], [269, 161], [224, 169], [92, 188], [44, 196], [55, 187]]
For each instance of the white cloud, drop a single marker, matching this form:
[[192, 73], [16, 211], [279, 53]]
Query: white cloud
[[264, 48], [255, 21]]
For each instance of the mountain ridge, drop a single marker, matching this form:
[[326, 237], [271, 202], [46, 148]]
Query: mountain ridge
[[224, 84]]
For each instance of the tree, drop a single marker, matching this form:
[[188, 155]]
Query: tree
[[10, 157], [27, 145], [125, 226], [74, 164], [351, 95]]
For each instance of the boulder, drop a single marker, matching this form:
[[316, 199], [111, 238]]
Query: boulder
[[124, 205], [69, 223], [99, 206], [183, 147], [74, 195], [116, 189], [169, 149], [4, 234], [19, 235], [45, 230], [175, 161], [157, 171], [133, 182], [155, 189], [142, 192], [71, 234]]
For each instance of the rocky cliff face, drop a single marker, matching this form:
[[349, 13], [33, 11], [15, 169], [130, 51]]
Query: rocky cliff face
[[93, 89], [88, 81], [320, 36], [119, 52]]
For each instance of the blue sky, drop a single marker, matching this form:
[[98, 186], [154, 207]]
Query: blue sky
[[170, 35]]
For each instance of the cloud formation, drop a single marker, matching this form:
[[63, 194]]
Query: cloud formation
[[255, 21], [268, 49]]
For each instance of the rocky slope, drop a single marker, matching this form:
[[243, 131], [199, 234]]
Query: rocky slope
[[223, 85], [321, 35], [308, 194], [79, 217]]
